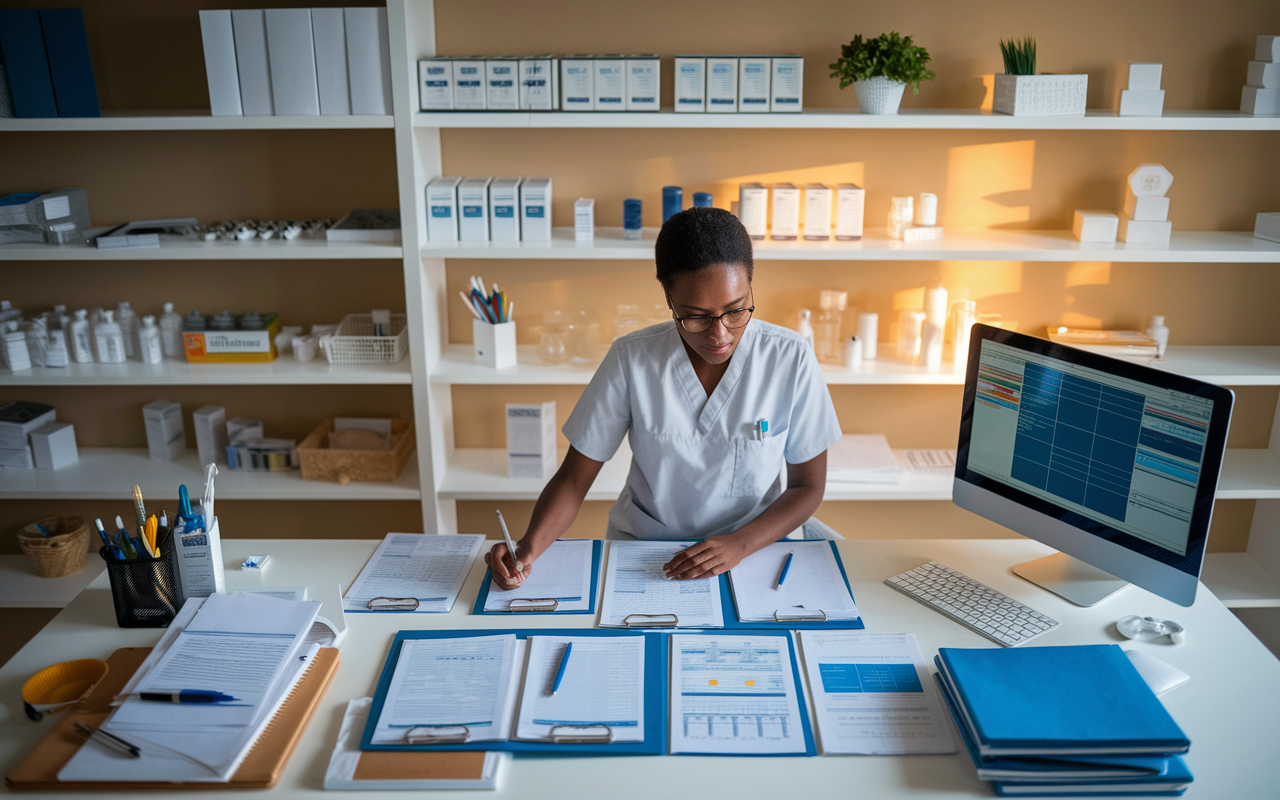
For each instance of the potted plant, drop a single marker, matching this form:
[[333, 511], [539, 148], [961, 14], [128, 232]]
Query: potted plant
[[880, 70], [1021, 92]]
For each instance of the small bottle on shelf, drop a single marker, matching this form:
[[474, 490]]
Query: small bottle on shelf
[[149, 346], [128, 322], [109, 339], [171, 332], [1158, 331], [826, 328], [81, 346]]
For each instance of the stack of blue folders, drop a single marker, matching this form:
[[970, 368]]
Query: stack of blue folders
[[1063, 721]]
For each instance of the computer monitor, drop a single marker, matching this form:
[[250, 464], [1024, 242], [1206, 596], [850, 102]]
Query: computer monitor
[[1112, 463]]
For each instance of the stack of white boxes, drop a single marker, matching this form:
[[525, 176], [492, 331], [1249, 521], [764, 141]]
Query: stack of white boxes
[[1143, 97], [489, 209], [1146, 209], [610, 82], [1262, 93], [30, 437], [730, 84]]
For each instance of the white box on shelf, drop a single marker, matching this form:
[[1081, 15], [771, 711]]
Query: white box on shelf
[[18, 419], [504, 215], [442, 210], [494, 345], [1142, 74], [1134, 231], [1268, 49], [577, 84], [786, 212], [644, 82], [1146, 209], [166, 438], [468, 84], [1141, 102], [531, 440], [502, 84], [291, 51], [1095, 226], [753, 209], [786, 83], [722, 84], [220, 63], [210, 423], [1267, 226], [435, 84], [54, 445], [330, 32], [17, 458], [690, 83], [535, 210], [473, 210], [753, 83], [539, 83], [1040, 95], [1262, 102], [817, 212], [1264, 74], [368, 60], [584, 219], [850, 203], [609, 76], [249, 26]]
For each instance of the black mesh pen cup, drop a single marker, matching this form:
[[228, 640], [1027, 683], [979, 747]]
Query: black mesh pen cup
[[146, 591]]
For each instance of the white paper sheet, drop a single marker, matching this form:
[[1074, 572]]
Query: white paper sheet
[[562, 573], [814, 583], [873, 694], [428, 567], [451, 682], [603, 685], [862, 458], [733, 694], [634, 584]]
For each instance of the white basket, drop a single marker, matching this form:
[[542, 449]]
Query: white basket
[[354, 343], [879, 95], [1040, 95]]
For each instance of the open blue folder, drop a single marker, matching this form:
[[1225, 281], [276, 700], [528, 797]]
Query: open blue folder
[[731, 620], [597, 547]]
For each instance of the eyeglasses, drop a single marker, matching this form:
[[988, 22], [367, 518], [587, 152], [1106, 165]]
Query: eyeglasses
[[700, 323]]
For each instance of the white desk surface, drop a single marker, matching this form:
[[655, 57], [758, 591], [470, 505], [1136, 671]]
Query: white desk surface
[[21, 587], [1230, 709]]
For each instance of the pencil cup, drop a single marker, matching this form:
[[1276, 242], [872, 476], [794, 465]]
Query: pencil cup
[[145, 591], [495, 344]]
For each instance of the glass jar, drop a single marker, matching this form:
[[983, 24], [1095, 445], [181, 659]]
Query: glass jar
[[584, 338], [627, 319], [553, 347]]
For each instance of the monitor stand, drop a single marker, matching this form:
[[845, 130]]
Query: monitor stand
[[1070, 578]]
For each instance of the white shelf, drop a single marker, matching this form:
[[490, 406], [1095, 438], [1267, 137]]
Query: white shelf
[[1249, 474], [1232, 366], [21, 587], [1239, 582], [104, 473], [1231, 247], [311, 249], [848, 118], [284, 371], [188, 120]]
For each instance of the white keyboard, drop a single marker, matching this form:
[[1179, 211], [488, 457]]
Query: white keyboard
[[975, 605]]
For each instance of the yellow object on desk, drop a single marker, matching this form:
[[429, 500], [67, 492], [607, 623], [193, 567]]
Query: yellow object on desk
[[61, 685]]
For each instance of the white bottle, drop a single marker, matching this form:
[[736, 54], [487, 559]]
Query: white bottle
[[128, 322], [869, 334], [81, 345], [804, 326], [109, 339], [56, 355], [1157, 330], [935, 325], [964, 313], [826, 328], [149, 347], [853, 354], [171, 333]]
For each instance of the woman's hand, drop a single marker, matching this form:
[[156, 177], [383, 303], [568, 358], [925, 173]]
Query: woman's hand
[[503, 568], [706, 558]]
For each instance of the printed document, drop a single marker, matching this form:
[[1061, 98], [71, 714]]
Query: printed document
[[441, 685], [428, 567], [873, 694], [563, 573], [814, 584], [603, 685], [733, 694], [634, 584]]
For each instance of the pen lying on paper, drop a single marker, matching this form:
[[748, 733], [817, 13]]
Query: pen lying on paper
[[564, 662], [186, 696], [786, 565], [89, 731]]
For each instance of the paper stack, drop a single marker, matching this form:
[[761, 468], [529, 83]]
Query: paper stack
[[1128, 345], [1261, 93], [862, 458]]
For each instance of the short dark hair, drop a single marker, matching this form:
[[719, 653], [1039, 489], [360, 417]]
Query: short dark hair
[[698, 238]]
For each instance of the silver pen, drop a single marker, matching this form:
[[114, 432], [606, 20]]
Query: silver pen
[[506, 535]]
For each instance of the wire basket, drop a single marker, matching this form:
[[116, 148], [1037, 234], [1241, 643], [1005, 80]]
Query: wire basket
[[146, 591], [60, 553], [354, 342]]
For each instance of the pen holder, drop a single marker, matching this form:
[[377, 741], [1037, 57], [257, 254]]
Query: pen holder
[[146, 591], [495, 344]]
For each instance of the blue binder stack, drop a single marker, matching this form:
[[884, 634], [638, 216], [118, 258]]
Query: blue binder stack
[[44, 64], [1063, 721]]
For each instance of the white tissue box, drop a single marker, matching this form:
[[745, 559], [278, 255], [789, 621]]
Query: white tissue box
[[1095, 226]]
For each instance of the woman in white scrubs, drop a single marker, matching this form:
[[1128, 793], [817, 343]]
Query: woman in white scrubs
[[714, 404]]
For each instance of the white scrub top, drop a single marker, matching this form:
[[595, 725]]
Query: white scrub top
[[697, 470]]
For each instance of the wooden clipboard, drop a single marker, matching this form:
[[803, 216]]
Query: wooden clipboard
[[260, 769]]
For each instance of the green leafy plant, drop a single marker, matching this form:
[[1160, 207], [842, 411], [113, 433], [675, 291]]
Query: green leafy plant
[[1019, 56], [889, 55]]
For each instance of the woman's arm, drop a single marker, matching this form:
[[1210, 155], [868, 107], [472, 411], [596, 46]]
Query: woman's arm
[[555, 511], [805, 486]]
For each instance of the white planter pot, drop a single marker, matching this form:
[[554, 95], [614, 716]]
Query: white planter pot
[[1040, 95], [879, 95]]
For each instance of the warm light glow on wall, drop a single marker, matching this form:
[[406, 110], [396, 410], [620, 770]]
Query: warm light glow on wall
[[976, 280], [1073, 320], [1088, 273], [988, 185]]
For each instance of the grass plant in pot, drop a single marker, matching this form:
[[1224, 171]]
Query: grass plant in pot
[[880, 70], [1021, 92]]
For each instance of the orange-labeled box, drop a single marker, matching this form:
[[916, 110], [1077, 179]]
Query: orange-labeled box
[[237, 345]]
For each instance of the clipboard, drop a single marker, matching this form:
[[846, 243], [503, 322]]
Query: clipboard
[[655, 698], [260, 769], [597, 548], [731, 621]]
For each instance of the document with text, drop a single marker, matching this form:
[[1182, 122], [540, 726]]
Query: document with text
[[428, 568], [634, 584], [602, 687], [814, 585], [563, 573]]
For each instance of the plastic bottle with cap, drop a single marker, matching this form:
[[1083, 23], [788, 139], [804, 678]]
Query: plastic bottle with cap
[[826, 328], [81, 344], [223, 321], [109, 339], [1158, 331], [128, 322], [171, 332], [195, 321], [251, 321], [149, 347]]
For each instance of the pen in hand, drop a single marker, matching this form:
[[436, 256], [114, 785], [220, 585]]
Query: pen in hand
[[511, 546]]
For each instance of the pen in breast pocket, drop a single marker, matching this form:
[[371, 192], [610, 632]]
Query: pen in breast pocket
[[761, 430]]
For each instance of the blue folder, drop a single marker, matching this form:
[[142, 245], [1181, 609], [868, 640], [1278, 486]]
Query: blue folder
[[22, 51], [655, 697], [731, 620], [597, 548], [67, 45]]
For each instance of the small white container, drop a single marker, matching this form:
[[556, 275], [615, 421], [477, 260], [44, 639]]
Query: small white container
[[305, 348], [853, 354], [502, 84], [910, 332], [786, 212], [1040, 95], [210, 424], [1141, 103], [1268, 49], [610, 76], [817, 212], [644, 83], [53, 445], [584, 219], [109, 340], [1095, 226], [1264, 102], [577, 86], [901, 214], [753, 209], [850, 203], [722, 84], [149, 347], [166, 437], [1160, 332], [1146, 208], [879, 95], [535, 210], [495, 345], [473, 210], [435, 84], [1150, 180], [927, 209], [1145, 232], [442, 209], [468, 85], [868, 334], [690, 84], [1264, 74], [786, 84], [504, 210], [753, 83]]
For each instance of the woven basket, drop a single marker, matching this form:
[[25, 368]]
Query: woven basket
[[879, 95], [319, 463], [62, 552]]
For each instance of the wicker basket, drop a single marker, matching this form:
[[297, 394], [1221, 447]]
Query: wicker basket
[[319, 463], [354, 342], [60, 553]]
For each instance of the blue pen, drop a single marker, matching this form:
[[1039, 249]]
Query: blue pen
[[786, 565], [564, 662], [187, 696], [102, 532]]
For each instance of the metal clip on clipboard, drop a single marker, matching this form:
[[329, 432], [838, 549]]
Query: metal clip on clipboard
[[437, 734], [392, 604], [533, 604], [603, 736], [804, 616], [651, 621]]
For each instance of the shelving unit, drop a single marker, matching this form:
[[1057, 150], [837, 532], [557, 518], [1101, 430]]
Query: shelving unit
[[282, 372], [310, 249], [189, 120]]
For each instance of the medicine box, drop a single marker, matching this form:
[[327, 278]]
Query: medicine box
[[753, 83], [786, 83], [504, 217], [1267, 226], [1145, 231], [584, 219], [502, 84], [690, 83], [609, 74], [198, 555], [539, 83], [785, 212], [753, 209], [531, 440], [234, 346], [19, 418], [535, 210], [166, 438], [210, 423], [817, 212], [53, 446], [435, 84], [468, 84], [722, 84], [1147, 209], [473, 210], [850, 204], [442, 210], [577, 86], [644, 82], [1095, 226]]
